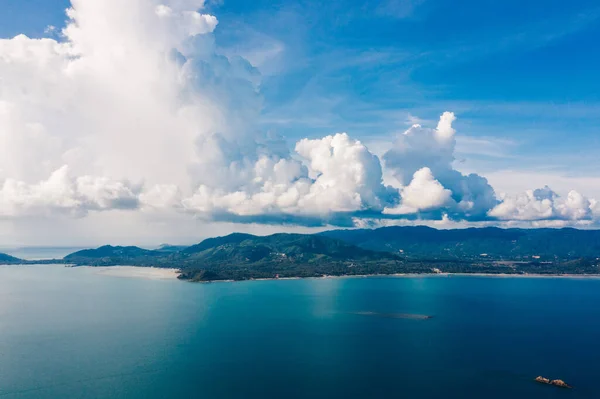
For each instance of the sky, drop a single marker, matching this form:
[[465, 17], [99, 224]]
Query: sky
[[153, 121]]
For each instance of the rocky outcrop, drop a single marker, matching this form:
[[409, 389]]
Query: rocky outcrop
[[559, 383], [556, 383]]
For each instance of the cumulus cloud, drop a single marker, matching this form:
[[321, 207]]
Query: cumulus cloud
[[421, 147], [61, 193], [422, 194], [137, 92], [134, 108], [331, 175], [119, 98], [545, 204]]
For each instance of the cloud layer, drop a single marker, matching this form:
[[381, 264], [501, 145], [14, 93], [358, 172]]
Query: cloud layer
[[135, 109], [545, 204]]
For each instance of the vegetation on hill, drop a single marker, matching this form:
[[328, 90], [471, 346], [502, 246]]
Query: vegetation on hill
[[171, 248], [110, 256], [243, 256], [421, 242], [360, 252], [7, 259], [284, 255]]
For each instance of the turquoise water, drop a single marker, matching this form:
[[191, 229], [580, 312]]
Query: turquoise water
[[70, 333]]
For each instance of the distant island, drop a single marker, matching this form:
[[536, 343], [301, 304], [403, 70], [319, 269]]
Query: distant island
[[385, 251]]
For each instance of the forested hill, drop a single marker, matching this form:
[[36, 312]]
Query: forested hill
[[356, 252], [244, 256], [110, 255], [420, 242], [7, 259]]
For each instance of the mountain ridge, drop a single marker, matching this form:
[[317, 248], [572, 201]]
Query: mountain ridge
[[469, 243], [387, 250], [243, 256]]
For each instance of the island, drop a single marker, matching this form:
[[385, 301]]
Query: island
[[556, 383], [384, 251]]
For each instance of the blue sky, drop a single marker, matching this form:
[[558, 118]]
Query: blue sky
[[522, 75]]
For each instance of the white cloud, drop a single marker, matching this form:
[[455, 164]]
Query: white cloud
[[134, 108], [340, 176], [422, 194], [544, 204], [522, 179], [349, 176], [120, 97], [64, 194], [420, 147]]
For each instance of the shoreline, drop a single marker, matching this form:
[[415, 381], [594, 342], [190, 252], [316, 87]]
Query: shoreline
[[159, 273], [148, 273], [414, 275]]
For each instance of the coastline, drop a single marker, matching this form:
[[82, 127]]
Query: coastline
[[158, 273], [528, 275], [416, 275], [148, 273]]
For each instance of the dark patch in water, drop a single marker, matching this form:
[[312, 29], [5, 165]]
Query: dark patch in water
[[395, 315]]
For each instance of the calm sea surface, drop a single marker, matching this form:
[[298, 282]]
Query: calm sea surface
[[71, 333]]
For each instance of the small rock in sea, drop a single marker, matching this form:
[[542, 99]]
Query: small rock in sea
[[556, 383], [559, 383]]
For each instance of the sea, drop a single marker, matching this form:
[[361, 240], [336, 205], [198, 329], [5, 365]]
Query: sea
[[75, 333]]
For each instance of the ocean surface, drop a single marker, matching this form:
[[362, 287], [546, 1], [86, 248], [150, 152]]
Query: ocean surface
[[73, 333]]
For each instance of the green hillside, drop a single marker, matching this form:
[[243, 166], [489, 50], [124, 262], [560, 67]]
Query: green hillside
[[467, 244], [360, 252], [7, 259]]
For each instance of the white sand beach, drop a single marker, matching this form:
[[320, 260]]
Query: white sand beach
[[151, 273]]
